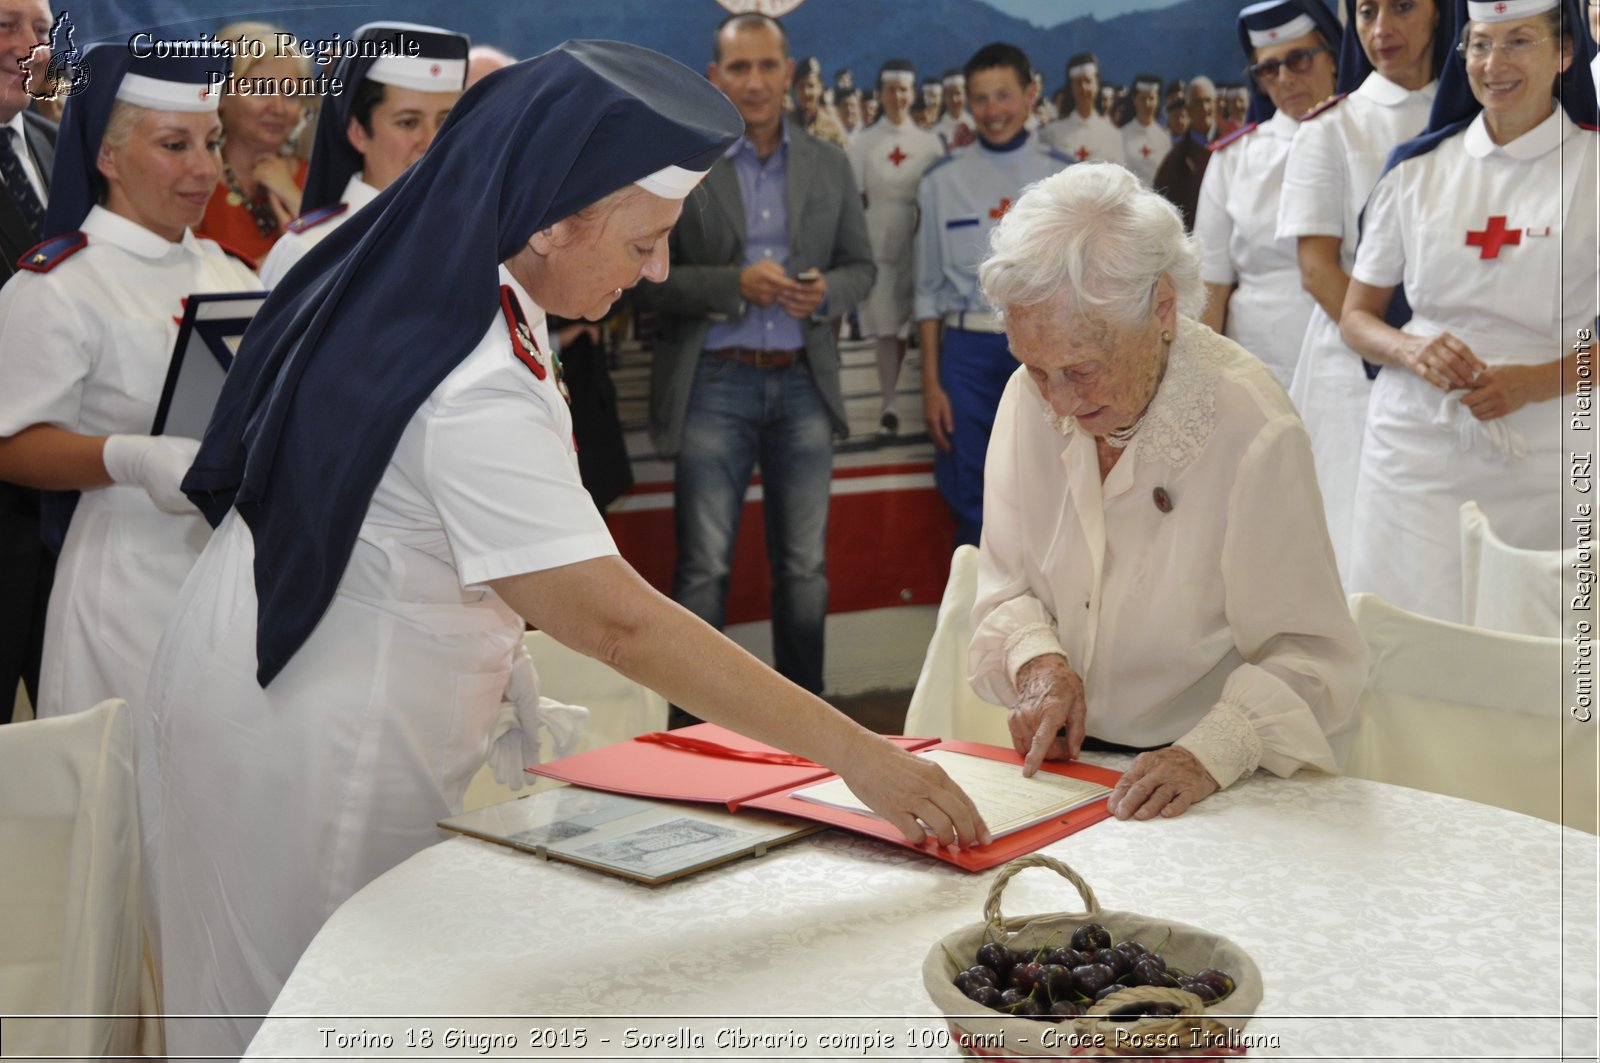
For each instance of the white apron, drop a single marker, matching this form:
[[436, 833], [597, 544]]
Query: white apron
[[888, 162]]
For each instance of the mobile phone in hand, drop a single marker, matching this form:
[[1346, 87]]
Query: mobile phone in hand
[[810, 276]]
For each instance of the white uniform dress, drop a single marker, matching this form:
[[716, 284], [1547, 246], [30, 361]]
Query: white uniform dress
[[1143, 149], [1236, 221], [1336, 157], [292, 246], [85, 347], [1091, 139], [275, 805], [1194, 590], [1506, 264], [888, 161]]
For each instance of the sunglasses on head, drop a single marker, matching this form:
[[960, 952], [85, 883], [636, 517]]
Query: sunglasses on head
[[1298, 62]]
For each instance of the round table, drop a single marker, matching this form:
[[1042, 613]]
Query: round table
[[1386, 922]]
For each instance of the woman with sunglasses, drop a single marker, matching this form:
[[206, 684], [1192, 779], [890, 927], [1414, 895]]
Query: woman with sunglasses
[[1393, 56], [1253, 293], [1489, 221]]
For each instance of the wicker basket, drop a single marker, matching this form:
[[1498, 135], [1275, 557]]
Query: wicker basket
[[980, 1031]]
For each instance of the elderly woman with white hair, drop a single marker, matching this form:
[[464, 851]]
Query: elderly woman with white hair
[[1156, 573]]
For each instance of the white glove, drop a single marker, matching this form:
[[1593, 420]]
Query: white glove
[[155, 463], [514, 741]]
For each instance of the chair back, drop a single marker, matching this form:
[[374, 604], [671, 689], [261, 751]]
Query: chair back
[[1472, 713], [944, 705], [1507, 588], [71, 895]]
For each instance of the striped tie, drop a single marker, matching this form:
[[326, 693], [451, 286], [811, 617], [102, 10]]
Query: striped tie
[[16, 181]]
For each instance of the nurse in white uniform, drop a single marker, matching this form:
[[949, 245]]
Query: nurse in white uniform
[[1145, 141], [1393, 54], [888, 159], [87, 328], [397, 490], [389, 112], [1501, 276], [1084, 135], [1252, 277]]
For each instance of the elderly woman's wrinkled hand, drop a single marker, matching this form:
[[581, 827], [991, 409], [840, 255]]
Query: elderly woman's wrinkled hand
[[915, 795], [1049, 700], [1163, 782]]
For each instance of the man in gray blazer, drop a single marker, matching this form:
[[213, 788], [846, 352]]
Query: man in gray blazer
[[26, 156], [769, 252]]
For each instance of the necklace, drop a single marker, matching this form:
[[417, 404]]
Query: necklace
[[1123, 436], [260, 210]]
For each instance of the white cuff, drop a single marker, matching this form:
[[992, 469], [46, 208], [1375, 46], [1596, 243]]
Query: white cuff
[[1224, 743], [1026, 643]]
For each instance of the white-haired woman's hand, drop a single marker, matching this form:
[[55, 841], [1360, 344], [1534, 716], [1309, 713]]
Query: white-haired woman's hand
[[914, 794], [1047, 722], [1162, 782]]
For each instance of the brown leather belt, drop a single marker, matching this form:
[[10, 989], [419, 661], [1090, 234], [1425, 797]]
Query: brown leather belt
[[761, 359]]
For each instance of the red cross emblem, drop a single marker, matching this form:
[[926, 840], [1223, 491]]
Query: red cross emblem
[[1082, 153], [1145, 151], [203, 94], [434, 70], [1494, 236], [1272, 34], [897, 156], [1500, 9], [1000, 211]]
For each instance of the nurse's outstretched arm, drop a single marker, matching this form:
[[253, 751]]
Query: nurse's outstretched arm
[[604, 609]]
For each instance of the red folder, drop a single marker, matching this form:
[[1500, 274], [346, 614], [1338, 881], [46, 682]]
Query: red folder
[[670, 768]]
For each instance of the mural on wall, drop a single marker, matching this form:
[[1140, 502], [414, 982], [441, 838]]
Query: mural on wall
[[1174, 38]]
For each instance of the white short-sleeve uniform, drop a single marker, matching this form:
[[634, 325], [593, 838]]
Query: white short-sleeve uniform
[[292, 246], [1236, 221], [888, 161], [1091, 139], [1334, 160], [273, 806], [1194, 590], [85, 347], [1143, 149], [1505, 263]]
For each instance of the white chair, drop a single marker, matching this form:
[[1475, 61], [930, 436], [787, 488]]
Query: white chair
[[618, 708], [1507, 588], [1472, 713], [72, 936], [944, 705]]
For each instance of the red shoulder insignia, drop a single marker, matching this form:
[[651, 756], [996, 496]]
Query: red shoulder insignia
[[1237, 134], [47, 255], [234, 252], [523, 345], [1326, 105], [313, 218], [1590, 128]]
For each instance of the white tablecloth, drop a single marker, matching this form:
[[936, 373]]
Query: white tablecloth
[[1386, 923]]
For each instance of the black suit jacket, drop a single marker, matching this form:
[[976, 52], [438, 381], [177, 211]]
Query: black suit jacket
[[16, 235]]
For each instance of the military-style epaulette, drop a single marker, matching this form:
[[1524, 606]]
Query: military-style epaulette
[[1326, 105], [524, 346], [1590, 128], [1238, 134], [47, 255], [313, 218], [234, 252]]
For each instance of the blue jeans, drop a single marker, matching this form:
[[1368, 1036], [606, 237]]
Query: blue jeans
[[740, 416], [974, 368]]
